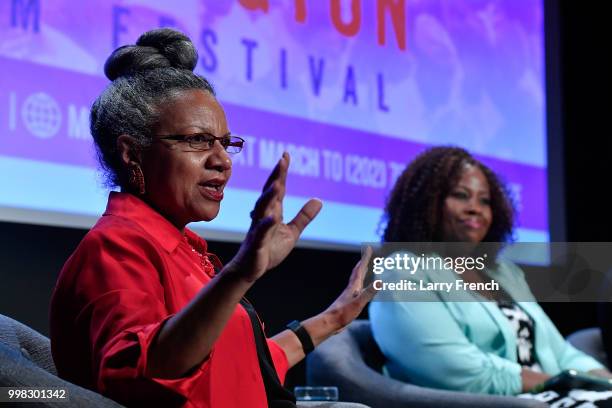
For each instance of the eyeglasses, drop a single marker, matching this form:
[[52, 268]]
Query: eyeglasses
[[205, 141]]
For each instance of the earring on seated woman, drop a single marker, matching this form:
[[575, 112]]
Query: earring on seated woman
[[137, 179]]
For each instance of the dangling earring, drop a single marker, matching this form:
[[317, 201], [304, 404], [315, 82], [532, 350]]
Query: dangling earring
[[137, 179]]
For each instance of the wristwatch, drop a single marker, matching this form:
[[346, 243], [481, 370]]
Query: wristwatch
[[303, 335]]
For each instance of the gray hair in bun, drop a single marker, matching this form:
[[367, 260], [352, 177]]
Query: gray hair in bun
[[143, 77]]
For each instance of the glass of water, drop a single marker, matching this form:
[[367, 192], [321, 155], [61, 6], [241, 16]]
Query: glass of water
[[316, 393]]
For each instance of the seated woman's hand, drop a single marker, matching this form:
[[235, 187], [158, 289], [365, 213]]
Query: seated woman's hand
[[269, 240]]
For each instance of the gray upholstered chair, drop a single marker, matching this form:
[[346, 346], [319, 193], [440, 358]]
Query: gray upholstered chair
[[25, 361], [352, 361], [590, 342]]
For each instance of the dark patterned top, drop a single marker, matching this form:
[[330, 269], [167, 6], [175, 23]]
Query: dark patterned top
[[523, 327]]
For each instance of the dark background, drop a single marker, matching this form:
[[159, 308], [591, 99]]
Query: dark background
[[579, 109]]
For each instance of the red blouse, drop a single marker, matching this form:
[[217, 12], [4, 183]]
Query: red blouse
[[130, 273]]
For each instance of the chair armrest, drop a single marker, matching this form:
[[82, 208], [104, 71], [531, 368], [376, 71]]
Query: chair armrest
[[339, 362]]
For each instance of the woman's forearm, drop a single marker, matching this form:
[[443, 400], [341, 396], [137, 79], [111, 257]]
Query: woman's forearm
[[186, 339], [319, 327], [601, 372], [531, 378]]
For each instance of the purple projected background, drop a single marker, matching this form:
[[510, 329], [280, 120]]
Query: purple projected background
[[352, 92]]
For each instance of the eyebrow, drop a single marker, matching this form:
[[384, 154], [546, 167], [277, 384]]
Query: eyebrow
[[487, 192], [203, 130]]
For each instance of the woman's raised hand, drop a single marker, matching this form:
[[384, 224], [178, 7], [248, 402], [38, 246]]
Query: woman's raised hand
[[269, 240]]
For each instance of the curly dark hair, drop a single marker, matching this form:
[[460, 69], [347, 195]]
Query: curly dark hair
[[414, 208], [143, 76]]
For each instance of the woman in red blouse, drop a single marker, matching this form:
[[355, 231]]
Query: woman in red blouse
[[142, 312]]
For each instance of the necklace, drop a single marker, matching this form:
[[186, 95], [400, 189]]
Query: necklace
[[205, 264]]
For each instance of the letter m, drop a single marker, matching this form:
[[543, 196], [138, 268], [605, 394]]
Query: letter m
[[25, 11], [78, 123]]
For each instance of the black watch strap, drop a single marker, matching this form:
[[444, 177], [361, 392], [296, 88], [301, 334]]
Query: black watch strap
[[303, 335]]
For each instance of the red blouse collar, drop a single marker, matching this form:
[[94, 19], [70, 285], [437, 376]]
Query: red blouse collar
[[133, 208]]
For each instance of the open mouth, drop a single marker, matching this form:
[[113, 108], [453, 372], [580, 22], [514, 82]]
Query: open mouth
[[213, 186], [213, 189]]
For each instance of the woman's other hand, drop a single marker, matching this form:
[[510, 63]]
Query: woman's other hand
[[336, 317], [353, 298], [269, 240]]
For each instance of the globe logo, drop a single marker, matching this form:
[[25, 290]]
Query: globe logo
[[41, 115]]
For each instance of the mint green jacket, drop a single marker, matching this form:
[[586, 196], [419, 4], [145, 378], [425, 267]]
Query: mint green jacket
[[467, 346]]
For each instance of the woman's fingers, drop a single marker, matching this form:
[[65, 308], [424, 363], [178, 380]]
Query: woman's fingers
[[279, 171], [264, 203], [361, 296], [359, 271], [367, 294], [270, 202], [283, 174], [272, 206], [308, 212]]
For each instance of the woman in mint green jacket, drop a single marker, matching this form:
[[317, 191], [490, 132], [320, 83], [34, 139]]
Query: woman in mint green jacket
[[501, 344]]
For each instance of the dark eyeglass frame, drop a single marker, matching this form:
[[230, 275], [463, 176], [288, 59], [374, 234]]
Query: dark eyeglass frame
[[233, 144]]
